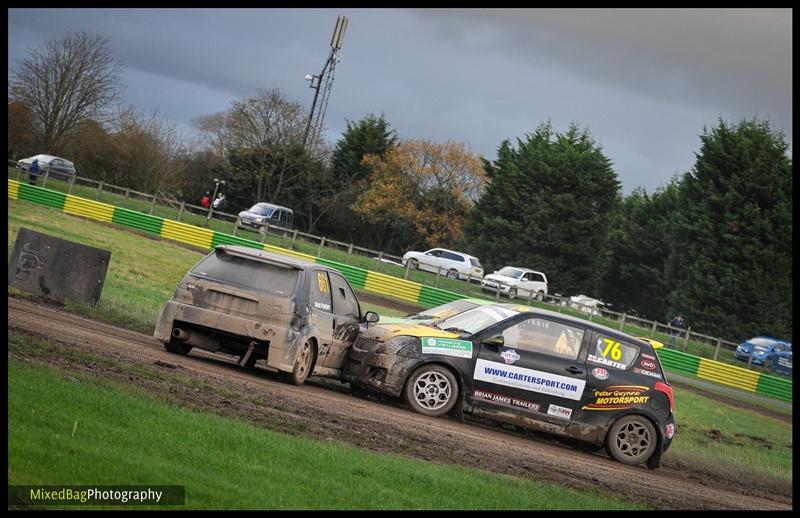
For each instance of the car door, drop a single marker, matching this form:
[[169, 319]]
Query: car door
[[452, 261], [321, 311], [537, 372], [526, 285], [346, 317], [431, 260]]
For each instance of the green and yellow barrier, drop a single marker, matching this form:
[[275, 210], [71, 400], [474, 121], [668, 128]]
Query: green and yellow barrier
[[375, 282]]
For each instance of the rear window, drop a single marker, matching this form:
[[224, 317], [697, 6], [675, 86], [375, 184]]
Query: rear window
[[612, 352], [474, 262], [248, 273]]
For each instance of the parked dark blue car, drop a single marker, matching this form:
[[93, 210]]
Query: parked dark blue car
[[764, 348]]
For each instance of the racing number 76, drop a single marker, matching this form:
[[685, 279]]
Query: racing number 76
[[613, 347]]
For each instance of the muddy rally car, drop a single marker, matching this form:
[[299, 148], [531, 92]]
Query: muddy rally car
[[300, 317], [528, 367]]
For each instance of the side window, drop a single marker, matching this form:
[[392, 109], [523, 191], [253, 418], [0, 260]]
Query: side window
[[344, 300], [434, 253], [320, 291], [537, 277], [545, 337], [276, 214], [614, 353], [528, 277]]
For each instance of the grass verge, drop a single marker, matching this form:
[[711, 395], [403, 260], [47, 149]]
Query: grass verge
[[65, 428]]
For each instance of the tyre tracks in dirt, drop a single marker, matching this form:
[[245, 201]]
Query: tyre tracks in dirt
[[324, 410]]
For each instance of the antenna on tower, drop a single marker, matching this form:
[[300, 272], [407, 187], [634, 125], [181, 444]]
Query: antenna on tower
[[327, 76]]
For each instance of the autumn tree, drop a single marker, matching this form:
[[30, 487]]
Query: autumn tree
[[420, 192], [548, 207], [21, 135], [71, 79]]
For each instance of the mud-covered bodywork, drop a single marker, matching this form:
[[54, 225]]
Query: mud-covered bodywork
[[589, 377], [262, 306]]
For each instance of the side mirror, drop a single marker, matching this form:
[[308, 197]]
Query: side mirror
[[494, 272], [494, 341], [371, 317]]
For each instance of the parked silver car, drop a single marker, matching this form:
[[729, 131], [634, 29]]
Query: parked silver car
[[262, 214], [456, 265], [60, 168]]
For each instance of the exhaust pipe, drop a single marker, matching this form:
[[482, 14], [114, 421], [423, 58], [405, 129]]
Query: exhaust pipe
[[196, 339]]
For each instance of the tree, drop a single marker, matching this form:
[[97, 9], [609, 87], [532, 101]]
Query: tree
[[74, 78], [423, 187], [640, 245], [93, 149], [262, 138], [21, 136], [349, 177], [548, 207], [731, 267]]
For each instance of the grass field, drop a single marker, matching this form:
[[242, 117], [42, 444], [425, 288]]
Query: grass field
[[470, 289], [70, 429]]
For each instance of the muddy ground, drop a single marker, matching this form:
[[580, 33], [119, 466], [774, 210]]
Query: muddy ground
[[324, 410]]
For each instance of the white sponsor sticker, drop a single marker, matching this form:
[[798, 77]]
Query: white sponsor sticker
[[322, 305], [510, 356], [559, 411], [447, 347], [529, 379]]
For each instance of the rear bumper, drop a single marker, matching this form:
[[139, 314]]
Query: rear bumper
[[283, 341]]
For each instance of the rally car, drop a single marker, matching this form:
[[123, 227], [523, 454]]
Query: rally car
[[529, 367]]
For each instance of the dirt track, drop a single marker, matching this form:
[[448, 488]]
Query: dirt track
[[325, 411]]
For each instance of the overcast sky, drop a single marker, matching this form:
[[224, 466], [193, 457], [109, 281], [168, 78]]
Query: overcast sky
[[644, 82]]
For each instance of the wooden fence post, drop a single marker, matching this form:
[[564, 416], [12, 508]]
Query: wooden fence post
[[321, 244], [349, 253], [622, 321], [653, 329], [180, 211], [294, 237], [408, 267], [125, 198], [716, 351], [438, 274], [99, 189], [236, 226], [71, 184], [380, 261], [153, 204], [686, 339], [46, 176]]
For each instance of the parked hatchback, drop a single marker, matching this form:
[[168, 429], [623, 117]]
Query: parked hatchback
[[56, 167], [456, 265], [300, 317], [528, 367], [763, 348], [512, 281], [261, 214]]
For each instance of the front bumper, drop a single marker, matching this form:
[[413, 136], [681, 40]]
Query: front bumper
[[369, 366], [495, 286]]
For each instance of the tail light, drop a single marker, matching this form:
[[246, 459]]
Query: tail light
[[667, 390]]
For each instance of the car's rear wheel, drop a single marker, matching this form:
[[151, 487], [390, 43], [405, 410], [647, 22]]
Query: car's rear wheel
[[452, 274], [303, 365], [540, 296], [177, 347], [512, 293], [432, 390], [413, 264], [631, 440]]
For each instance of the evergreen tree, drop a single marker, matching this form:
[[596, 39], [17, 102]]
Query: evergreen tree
[[549, 206], [640, 244], [369, 136], [731, 267]]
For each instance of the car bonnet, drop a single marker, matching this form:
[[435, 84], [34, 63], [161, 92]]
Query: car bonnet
[[383, 332]]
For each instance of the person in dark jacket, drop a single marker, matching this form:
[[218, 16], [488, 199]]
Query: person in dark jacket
[[676, 324], [33, 172]]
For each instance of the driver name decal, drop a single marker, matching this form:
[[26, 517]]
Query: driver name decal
[[529, 379]]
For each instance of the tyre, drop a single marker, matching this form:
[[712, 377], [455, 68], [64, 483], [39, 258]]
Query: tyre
[[303, 365], [540, 296], [413, 264], [631, 440], [512, 293], [452, 274], [431, 390], [177, 347]]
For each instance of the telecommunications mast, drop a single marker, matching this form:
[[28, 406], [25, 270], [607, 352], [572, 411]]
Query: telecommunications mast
[[326, 77]]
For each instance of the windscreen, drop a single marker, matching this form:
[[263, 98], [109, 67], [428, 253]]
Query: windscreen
[[247, 273], [763, 342], [263, 210], [510, 272], [445, 310], [476, 319]]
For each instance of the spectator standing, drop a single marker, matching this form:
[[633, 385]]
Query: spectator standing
[[33, 172], [219, 202], [205, 201], [677, 324]]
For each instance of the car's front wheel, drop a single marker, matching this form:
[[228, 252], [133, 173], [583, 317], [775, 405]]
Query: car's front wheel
[[631, 440], [432, 390], [540, 296], [512, 293], [303, 365], [452, 274], [413, 264]]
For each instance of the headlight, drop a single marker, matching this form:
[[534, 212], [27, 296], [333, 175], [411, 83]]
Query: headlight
[[760, 353], [410, 350], [259, 220]]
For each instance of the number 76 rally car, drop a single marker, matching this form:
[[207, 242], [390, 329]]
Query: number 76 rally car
[[529, 367]]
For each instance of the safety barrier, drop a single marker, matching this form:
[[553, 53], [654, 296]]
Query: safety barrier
[[425, 296]]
